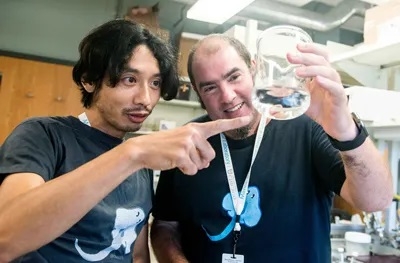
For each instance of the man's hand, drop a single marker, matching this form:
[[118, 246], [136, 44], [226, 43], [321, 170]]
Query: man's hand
[[185, 147], [328, 99]]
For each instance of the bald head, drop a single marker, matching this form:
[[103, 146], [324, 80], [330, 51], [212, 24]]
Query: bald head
[[211, 44]]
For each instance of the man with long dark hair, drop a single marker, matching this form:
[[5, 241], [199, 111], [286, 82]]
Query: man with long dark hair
[[71, 189]]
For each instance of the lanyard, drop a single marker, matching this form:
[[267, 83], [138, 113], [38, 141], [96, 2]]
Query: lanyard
[[239, 200], [84, 119]]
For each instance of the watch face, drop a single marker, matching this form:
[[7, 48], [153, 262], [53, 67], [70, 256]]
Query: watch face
[[357, 119], [360, 124]]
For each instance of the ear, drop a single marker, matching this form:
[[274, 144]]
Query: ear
[[253, 68], [87, 86]]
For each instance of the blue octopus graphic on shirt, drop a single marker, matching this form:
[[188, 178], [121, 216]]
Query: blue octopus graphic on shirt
[[250, 216]]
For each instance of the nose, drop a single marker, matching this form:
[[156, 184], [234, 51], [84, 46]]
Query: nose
[[227, 93], [142, 96]]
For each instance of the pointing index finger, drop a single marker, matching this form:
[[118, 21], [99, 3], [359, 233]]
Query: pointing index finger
[[212, 128]]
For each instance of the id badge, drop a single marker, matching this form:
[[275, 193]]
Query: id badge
[[228, 258]]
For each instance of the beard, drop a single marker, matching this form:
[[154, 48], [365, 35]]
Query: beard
[[245, 131], [240, 133]]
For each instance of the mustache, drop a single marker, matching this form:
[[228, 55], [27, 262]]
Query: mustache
[[138, 108]]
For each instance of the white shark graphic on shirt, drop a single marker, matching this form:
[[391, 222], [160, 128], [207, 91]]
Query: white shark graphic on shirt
[[123, 234]]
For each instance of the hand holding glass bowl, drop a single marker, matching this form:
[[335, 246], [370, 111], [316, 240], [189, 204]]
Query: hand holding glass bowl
[[278, 92]]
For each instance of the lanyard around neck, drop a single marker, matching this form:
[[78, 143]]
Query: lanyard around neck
[[239, 200], [84, 119]]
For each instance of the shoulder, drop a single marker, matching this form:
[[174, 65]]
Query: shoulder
[[38, 131], [47, 122], [306, 128], [295, 132], [55, 120]]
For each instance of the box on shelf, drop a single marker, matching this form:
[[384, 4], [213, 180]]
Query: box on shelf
[[166, 125], [148, 17], [382, 23], [185, 88]]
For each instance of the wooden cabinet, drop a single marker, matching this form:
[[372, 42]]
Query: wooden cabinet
[[185, 45], [340, 203], [32, 88]]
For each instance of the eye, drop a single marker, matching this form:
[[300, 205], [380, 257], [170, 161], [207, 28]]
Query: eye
[[156, 83], [128, 81], [208, 89], [233, 77]]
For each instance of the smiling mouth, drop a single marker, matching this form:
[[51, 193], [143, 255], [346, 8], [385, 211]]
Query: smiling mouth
[[237, 107]]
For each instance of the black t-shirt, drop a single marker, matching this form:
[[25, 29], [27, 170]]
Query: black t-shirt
[[52, 147], [286, 215]]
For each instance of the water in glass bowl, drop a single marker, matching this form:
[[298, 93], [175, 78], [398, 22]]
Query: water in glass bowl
[[278, 91]]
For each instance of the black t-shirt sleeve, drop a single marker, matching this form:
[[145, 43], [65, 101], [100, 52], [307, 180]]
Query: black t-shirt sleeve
[[28, 149], [165, 203], [327, 160]]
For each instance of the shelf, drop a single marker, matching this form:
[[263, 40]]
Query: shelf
[[380, 54], [182, 103], [368, 64], [389, 132]]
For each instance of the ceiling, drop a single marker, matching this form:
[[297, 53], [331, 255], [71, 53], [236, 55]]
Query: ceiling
[[341, 21], [53, 29], [319, 16]]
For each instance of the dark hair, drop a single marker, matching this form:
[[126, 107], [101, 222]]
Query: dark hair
[[108, 48], [235, 43]]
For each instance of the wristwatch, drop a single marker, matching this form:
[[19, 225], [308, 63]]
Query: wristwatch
[[357, 141]]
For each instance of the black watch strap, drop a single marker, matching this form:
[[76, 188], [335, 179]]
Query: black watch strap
[[356, 142]]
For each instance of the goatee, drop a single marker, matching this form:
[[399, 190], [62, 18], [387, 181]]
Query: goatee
[[240, 133]]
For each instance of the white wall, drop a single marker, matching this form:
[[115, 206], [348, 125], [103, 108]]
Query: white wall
[[50, 28], [375, 105]]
